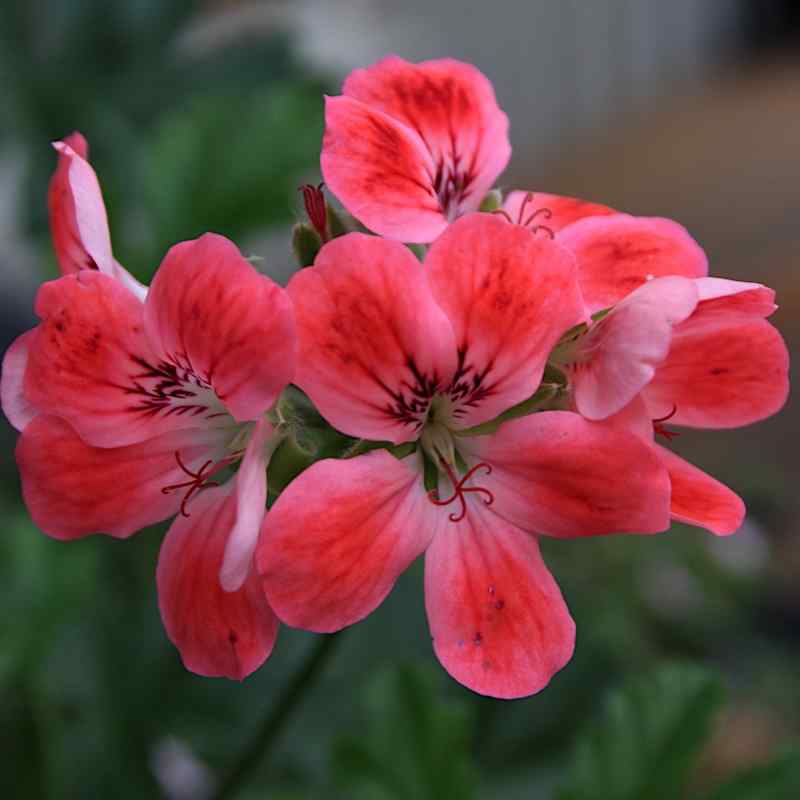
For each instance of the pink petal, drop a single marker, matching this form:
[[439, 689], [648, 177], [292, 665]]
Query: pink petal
[[617, 253], [510, 296], [338, 538], [554, 212], [381, 171], [251, 500], [18, 409], [218, 633], [72, 489], [452, 108], [557, 474], [498, 621], [618, 357], [723, 371], [78, 221], [210, 310], [699, 499], [373, 343], [720, 294]]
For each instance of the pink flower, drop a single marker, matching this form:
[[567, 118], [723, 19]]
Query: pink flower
[[394, 350], [410, 147], [130, 410], [78, 221]]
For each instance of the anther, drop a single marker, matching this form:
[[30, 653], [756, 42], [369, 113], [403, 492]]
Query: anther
[[314, 202], [459, 490]]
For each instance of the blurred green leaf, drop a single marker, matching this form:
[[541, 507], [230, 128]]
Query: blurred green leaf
[[648, 739], [778, 780], [414, 743]]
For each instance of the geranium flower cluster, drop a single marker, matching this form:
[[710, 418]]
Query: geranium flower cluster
[[502, 364]]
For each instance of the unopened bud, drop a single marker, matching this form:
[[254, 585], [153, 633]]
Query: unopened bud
[[492, 201], [306, 243]]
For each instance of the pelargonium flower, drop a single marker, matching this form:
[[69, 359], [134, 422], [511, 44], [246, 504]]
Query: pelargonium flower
[[78, 221], [394, 350], [130, 409], [410, 147]]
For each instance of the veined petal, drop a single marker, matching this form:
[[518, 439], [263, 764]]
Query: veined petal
[[339, 536], [73, 489], [498, 621], [699, 499], [557, 474], [18, 409], [618, 356], [509, 296], [381, 171], [373, 345], [218, 633], [209, 310], [618, 253], [533, 209]]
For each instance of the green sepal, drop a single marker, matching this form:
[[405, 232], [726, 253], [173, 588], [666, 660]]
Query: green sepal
[[543, 395], [492, 201], [306, 243], [336, 224]]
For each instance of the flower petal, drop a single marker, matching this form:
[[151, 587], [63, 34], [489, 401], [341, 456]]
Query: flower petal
[[498, 621], [699, 499], [339, 536], [72, 489], [373, 344], [721, 294], [509, 296], [18, 409], [618, 253], [551, 210], [381, 171], [218, 633], [234, 328], [618, 356], [557, 474]]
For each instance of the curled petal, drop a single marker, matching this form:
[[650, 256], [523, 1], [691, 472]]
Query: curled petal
[[557, 474], [18, 409], [498, 621], [721, 294], [551, 210], [339, 536], [73, 489], [616, 254], [374, 346], [509, 296], [234, 328], [218, 633]]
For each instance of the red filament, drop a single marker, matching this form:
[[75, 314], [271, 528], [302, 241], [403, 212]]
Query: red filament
[[661, 430], [529, 221], [199, 480], [459, 490]]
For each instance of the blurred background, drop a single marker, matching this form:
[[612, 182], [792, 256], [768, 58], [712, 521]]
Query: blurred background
[[207, 116]]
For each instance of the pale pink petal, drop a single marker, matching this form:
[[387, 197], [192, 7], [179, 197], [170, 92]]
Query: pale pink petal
[[18, 409], [251, 500], [381, 171], [699, 499], [72, 489], [374, 346], [218, 633], [339, 536], [557, 474], [497, 618], [721, 294], [551, 210], [452, 108], [510, 296], [618, 357], [723, 370], [209, 310], [616, 254]]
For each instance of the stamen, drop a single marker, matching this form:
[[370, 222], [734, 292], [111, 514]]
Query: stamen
[[459, 490], [661, 430], [199, 480], [314, 202], [528, 199], [503, 213]]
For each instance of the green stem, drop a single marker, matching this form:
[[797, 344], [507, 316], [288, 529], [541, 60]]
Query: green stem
[[273, 724]]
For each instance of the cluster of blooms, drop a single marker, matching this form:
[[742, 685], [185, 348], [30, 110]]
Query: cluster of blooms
[[503, 365]]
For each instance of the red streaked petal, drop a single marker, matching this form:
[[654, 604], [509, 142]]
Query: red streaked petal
[[618, 357], [339, 536], [381, 171], [72, 489], [208, 308], [616, 254], [551, 210], [218, 633], [699, 499], [509, 296], [18, 409], [557, 474], [498, 621], [373, 343]]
